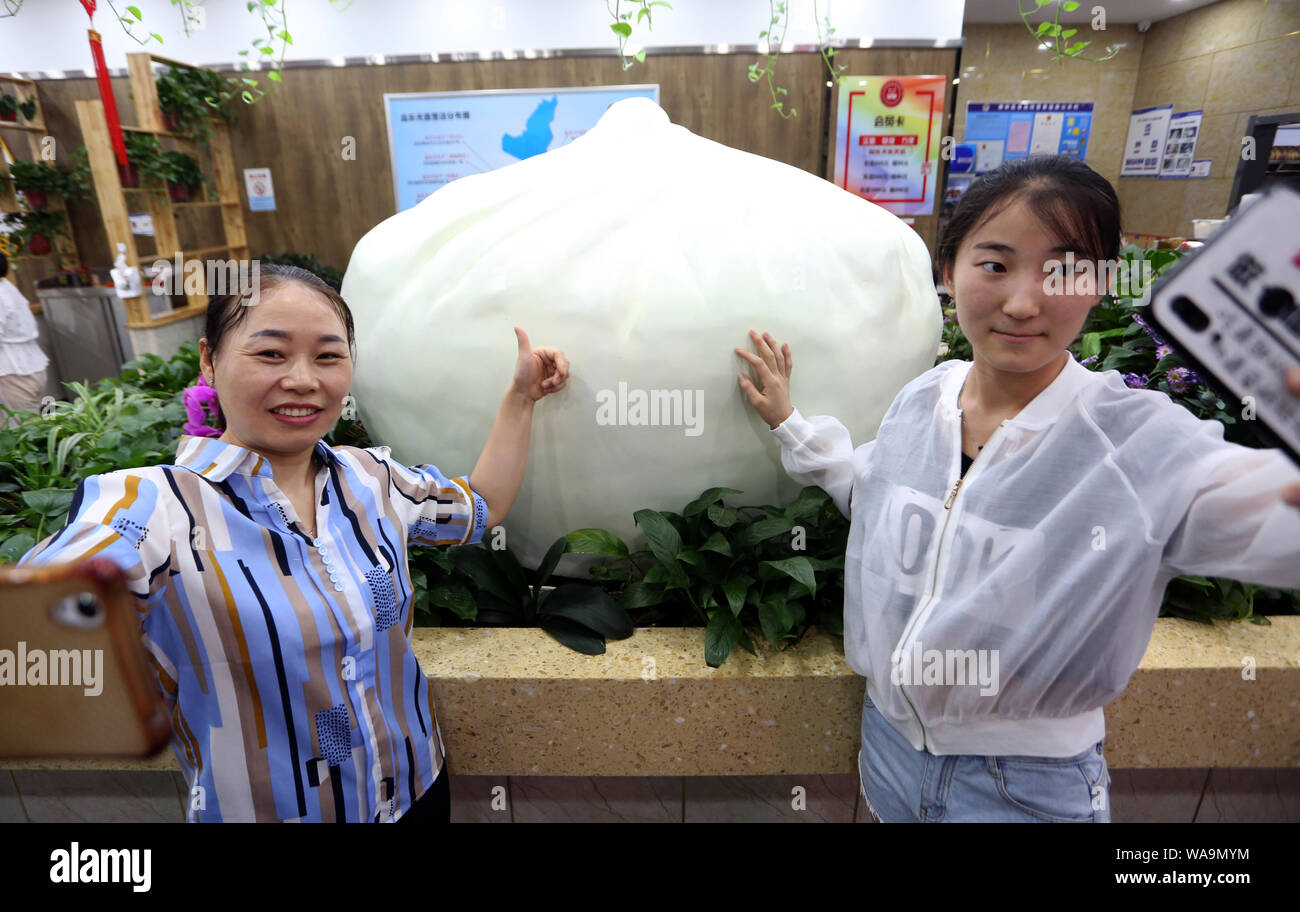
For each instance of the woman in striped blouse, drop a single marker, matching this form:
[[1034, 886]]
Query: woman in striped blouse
[[271, 575]]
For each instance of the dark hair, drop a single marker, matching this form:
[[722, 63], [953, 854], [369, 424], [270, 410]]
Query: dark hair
[[4, 265], [1073, 201], [225, 312]]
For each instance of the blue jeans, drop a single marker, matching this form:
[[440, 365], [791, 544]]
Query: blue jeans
[[905, 785]]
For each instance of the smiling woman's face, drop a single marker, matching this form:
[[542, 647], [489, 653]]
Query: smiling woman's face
[[282, 373], [1016, 320]]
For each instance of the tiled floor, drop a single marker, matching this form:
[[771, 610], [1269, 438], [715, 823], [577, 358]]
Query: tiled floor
[[1163, 795]]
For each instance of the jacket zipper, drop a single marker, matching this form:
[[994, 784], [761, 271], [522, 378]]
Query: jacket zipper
[[921, 616]]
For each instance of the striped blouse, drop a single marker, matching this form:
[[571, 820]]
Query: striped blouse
[[285, 659]]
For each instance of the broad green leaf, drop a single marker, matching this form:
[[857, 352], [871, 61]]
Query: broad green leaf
[[591, 607], [135, 11], [717, 542], [721, 637], [641, 595], [621, 28], [478, 565], [706, 500], [736, 589], [512, 572], [663, 539], [16, 546], [49, 501], [574, 635], [765, 529], [723, 517], [553, 555], [596, 541], [1090, 345], [457, 598], [774, 621], [807, 505]]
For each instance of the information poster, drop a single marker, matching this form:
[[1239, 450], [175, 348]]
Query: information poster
[[1005, 130], [888, 133], [436, 137], [1145, 145], [261, 192], [1180, 144]]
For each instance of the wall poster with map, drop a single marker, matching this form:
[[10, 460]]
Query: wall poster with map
[[436, 137]]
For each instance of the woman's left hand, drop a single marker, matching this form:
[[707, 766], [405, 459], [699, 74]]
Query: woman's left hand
[[539, 371], [1291, 493]]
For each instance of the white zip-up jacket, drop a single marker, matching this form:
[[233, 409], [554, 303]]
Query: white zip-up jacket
[[999, 615]]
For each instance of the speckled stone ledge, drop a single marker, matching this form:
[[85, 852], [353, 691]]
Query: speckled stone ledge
[[514, 702]]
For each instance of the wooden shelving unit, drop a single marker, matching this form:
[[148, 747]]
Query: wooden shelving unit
[[63, 254], [113, 196]]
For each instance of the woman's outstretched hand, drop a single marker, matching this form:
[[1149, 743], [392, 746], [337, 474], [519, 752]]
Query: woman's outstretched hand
[[773, 366], [539, 371]]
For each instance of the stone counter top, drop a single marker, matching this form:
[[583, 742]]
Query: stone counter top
[[515, 702]]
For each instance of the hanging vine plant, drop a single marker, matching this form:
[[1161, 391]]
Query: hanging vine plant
[[267, 51], [1056, 39]]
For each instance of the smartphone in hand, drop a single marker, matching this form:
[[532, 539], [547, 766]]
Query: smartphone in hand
[[1232, 309], [74, 679]]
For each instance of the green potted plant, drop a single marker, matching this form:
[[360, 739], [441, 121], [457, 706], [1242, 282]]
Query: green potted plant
[[8, 108], [189, 97], [34, 229], [37, 180], [28, 108], [77, 180], [143, 159], [183, 175]]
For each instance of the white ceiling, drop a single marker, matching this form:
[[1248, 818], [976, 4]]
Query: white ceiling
[[1121, 11]]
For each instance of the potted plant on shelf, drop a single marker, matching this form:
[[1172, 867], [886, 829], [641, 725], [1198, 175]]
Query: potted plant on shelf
[[183, 175], [8, 108], [143, 159], [35, 228], [77, 180], [189, 97], [37, 180], [28, 108]]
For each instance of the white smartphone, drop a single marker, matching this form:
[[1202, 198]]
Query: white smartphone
[[1232, 309]]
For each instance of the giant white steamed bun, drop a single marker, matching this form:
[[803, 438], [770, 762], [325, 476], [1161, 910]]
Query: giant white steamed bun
[[646, 253]]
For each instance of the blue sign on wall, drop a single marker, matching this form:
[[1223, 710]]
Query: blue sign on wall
[[1000, 131], [436, 137]]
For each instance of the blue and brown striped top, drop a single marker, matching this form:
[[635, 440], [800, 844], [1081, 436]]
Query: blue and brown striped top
[[286, 659]]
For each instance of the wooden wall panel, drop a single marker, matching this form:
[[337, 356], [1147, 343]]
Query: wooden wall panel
[[326, 203]]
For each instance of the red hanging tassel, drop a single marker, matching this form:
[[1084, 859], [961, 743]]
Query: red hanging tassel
[[105, 86]]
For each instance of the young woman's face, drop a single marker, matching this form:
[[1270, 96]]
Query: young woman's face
[[281, 375], [1016, 314]]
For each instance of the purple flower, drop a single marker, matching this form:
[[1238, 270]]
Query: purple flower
[[201, 406], [1137, 318], [1088, 360], [1136, 381], [1163, 351], [1180, 379]]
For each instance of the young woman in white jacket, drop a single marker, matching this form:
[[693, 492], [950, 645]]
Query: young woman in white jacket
[[1016, 519]]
